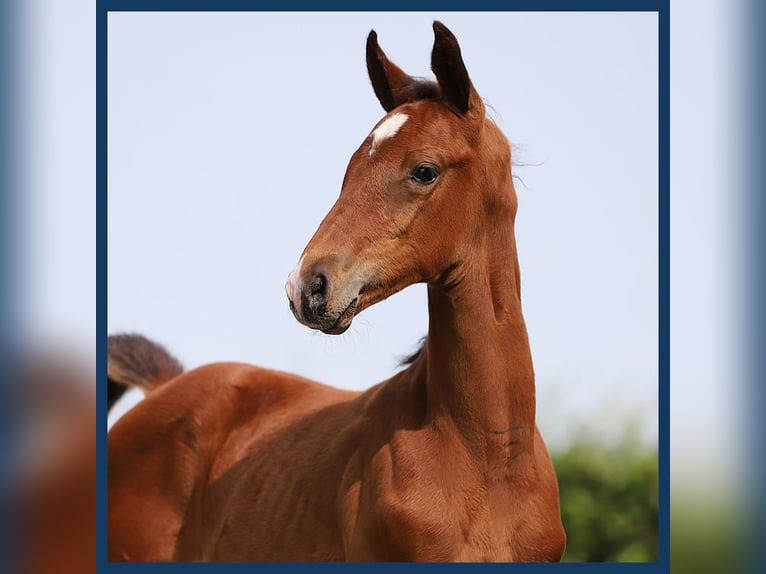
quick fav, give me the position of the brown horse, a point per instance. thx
(441, 462)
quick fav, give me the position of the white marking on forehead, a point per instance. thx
(387, 130)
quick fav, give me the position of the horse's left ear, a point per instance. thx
(447, 63)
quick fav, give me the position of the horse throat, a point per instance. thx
(479, 364)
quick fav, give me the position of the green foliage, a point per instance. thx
(609, 501)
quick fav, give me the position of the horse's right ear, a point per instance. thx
(388, 79)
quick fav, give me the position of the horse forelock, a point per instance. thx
(418, 89)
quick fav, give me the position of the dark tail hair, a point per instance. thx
(135, 361)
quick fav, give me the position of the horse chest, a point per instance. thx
(411, 510)
(435, 514)
(427, 526)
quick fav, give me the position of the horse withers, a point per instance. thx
(441, 462)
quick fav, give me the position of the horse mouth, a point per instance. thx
(343, 322)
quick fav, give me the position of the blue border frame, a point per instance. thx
(659, 6)
(663, 532)
(101, 283)
(103, 7)
(9, 287)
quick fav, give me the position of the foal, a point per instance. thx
(441, 462)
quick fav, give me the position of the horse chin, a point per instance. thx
(338, 330)
(343, 322)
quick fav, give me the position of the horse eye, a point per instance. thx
(425, 173)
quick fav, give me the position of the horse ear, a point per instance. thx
(447, 63)
(388, 79)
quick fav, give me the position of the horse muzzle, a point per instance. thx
(315, 303)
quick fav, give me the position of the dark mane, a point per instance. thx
(418, 89)
(409, 359)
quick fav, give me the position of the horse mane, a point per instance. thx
(409, 359)
(418, 89)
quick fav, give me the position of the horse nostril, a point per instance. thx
(317, 292)
(318, 287)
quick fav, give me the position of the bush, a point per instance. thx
(609, 501)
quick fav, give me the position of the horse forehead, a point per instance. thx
(387, 129)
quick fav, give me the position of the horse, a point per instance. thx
(441, 462)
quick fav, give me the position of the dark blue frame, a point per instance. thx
(9, 287)
(661, 7)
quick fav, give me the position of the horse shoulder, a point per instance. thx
(395, 505)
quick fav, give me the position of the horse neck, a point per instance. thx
(479, 365)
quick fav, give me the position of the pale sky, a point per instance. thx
(229, 134)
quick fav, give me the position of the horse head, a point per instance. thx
(429, 180)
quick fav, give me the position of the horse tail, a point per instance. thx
(135, 361)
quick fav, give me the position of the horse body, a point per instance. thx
(239, 463)
(442, 462)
